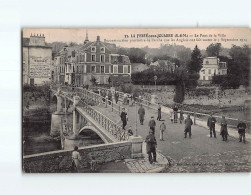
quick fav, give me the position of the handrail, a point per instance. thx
(105, 122)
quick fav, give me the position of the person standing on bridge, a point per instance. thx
(151, 144)
(76, 160)
(141, 113)
(211, 124)
(159, 112)
(116, 97)
(123, 117)
(152, 124)
(188, 125)
(223, 130)
(162, 129)
(242, 130)
(110, 97)
(175, 111)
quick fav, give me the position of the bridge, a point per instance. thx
(92, 111)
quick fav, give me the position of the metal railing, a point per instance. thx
(110, 126)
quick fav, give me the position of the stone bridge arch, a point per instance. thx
(94, 130)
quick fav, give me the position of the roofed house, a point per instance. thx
(212, 66)
(165, 65)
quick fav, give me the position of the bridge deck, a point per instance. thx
(186, 152)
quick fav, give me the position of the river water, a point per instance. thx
(37, 139)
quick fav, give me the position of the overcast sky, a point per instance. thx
(78, 35)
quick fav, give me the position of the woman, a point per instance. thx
(181, 116)
(175, 111)
(76, 160)
(223, 130)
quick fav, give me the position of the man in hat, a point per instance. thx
(242, 130)
(123, 117)
(188, 125)
(151, 144)
(211, 124)
(152, 124)
(162, 129)
(141, 113)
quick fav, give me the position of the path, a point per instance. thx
(199, 154)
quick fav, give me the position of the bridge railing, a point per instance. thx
(114, 129)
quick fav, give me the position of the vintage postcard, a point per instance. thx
(147, 100)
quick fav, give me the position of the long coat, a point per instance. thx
(141, 113)
(150, 143)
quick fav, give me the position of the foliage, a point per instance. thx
(195, 63)
(146, 77)
(214, 49)
(179, 93)
(226, 81)
(119, 80)
(239, 66)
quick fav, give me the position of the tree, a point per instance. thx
(137, 55)
(214, 49)
(240, 63)
(195, 63)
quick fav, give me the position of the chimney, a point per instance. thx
(98, 38)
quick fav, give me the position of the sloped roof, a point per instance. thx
(210, 61)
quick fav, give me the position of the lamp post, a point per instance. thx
(136, 129)
(155, 79)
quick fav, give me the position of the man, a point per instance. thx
(223, 130)
(129, 131)
(175, 111)
(123, 117)
(159, 112)
(188, 125)
(76, 160)
(151, 144)
(162, 129)
(152, 124)
(141, 113)
(242, 130)
(110, 97)
(211, 124)
(116, 97)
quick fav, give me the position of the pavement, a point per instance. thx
(198, 154)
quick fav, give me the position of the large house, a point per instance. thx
(212, 66)
(36, 60)
(77, 65)
(165, 64)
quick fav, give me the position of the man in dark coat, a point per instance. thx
(123, 117)
(141, 113)
(151, 144)
(175, 111)
(110, 97)
(159, 112)
(211, 124)
(152, 124)
(116, 97)
(242, 130)
(188, 125)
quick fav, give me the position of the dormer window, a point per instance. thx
(93, 49)
(102, 50)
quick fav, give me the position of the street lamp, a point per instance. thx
(155, 79)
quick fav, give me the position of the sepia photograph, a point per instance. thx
(136, 100)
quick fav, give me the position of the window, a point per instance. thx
(209, 71)
(93, 69)
(102, 58)
(125, 69)
(102, 69)
(93, 49)
(129, 69)
(93, 57)
(102, 50)
(115, 69)
(204, 78)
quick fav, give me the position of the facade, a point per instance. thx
(36, 60)
(78, 65)
(212, 66)
(165, 64)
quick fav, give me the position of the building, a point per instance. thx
(78, 65)
(212, 66)
(165, 65)
(36, 60)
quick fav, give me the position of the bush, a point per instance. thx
(226, 81)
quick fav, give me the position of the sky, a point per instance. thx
(119, 36)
